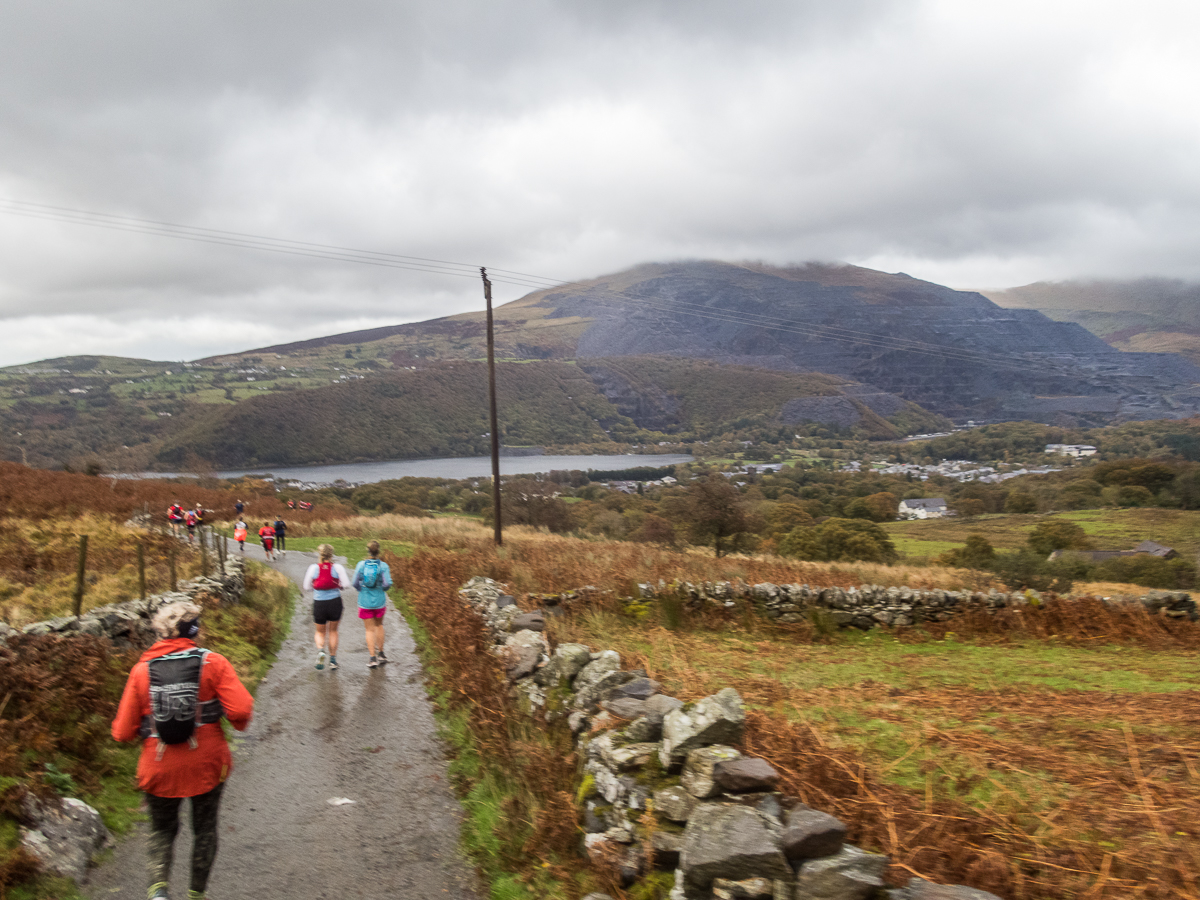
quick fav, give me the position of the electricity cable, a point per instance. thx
(334, 253)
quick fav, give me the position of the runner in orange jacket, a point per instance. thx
(167, 773)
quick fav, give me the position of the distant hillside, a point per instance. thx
(690, 350)
(441, 410)
(1155, 315)
(953, 352)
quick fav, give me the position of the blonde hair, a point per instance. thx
(325, 551)
(373, 548)
(166, 620)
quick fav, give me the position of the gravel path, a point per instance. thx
(359, 734)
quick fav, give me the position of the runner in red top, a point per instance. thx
(175, 516)
(267, 535)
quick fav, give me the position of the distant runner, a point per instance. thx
(239, 534)
(199, 513)
(175, 516)
(326, 580)
(266, 534)
(239, 508)
(281, 536)
(373, 579)
(189, 519)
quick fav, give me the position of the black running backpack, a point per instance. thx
(175, 707)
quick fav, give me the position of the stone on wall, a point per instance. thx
(522, 652)
(920, 889)
(730, 842)
(850, 875)
(810, 834)
(746, 889)
(674, 803)
(718, 719)
(566, 662)
(667, 848)
(530, 621)
(637, 689)
(625, 707)
(643, 730)
(661, 704)
(697, 777)
(588, 697)
(745, 775)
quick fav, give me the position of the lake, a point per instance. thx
(457, 467)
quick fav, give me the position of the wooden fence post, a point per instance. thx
(142, 569)
(171, 562)
(203, 553)
(80, 574)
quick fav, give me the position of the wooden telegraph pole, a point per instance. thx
(491, 348)
(81, 574)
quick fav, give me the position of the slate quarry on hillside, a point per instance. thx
(954, 352)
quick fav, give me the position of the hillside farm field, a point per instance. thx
(1034, 769)
(1109, 529)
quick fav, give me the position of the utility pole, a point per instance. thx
(491, 348)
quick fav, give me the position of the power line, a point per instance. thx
(334, 253)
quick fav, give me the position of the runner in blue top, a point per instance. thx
(372, 578)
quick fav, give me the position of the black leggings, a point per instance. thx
(164, 825)
(280, 541)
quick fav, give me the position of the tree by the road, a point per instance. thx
(713, 511)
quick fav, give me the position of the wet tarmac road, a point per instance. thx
(359, 734)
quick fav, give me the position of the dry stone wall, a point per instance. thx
(665, 786)
(867, 606)
(127, 624)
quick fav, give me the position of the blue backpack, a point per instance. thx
(372, 574)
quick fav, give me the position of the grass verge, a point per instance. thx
(515, 779)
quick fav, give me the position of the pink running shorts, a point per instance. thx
(371, 613)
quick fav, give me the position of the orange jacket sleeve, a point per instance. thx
(235, 699)
(135, 703)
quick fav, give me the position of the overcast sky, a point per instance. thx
(972, 144)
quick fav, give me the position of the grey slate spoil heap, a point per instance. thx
(721, 823)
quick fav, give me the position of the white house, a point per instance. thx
(923, 508)
(1076, 450)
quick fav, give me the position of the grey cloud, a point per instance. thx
(979, 143)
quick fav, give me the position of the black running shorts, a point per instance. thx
(327, 610)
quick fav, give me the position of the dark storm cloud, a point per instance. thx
(980, 145)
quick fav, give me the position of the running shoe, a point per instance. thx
(382, 657)
(320, 659)
(195, 895)
(158, 891)
(333, 663)
(372, 662)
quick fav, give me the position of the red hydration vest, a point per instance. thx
(325, 580)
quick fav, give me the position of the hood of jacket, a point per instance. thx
(170, 645)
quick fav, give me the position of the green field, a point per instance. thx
(1035, 738)
(1110, 529)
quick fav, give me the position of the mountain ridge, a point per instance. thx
(696, 348)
